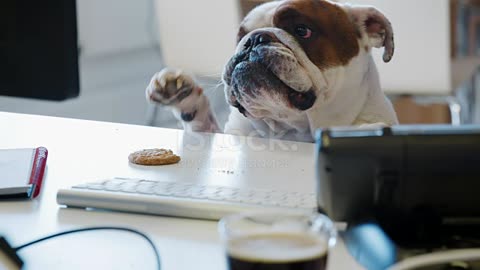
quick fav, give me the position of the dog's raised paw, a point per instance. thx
(170, 87)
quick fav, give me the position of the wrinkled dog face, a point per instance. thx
(283, 49)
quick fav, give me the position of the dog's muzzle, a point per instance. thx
(249, 76)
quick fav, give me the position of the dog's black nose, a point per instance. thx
(260, 38)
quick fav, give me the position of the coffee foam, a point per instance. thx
(277, 248)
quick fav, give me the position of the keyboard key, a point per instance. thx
(115, 182)
(211, 192)
(244, 193)
(256, 200)
(81, 186)
(180, 191)
(95, 186)
(145, 188)
(163, 185)
(235, 199)
(129, 187)
(277, 196)
(294, 203)
(226, 193)
(109, 187)
(163, 190)
(198, 193)
(271, 202)
(258, 197)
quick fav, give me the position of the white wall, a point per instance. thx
(109, 26)
(421, 64)
(198, 36)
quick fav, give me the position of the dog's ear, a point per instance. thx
(378, 28)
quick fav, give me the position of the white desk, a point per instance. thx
(81, 150)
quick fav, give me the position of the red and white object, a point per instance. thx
(21, 172)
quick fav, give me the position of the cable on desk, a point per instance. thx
(157, 254)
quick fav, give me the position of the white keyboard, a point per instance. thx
(181, 199)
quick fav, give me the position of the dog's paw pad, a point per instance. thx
(171, 86)
(188, 117)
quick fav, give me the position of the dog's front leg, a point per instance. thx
(182, 95)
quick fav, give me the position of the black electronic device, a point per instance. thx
(420, 183)
(38, 49)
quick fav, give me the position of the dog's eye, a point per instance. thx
(303, 31)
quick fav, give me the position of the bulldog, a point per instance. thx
(299, 65)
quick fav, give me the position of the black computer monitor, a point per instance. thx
(417, 181)
(38, 49)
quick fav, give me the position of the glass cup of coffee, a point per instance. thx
(277, 241)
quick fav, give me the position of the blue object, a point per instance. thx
(370, 246)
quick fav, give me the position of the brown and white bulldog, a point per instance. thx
(299, 65)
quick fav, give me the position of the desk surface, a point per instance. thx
(82, 150)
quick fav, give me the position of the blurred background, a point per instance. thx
(433, 78)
